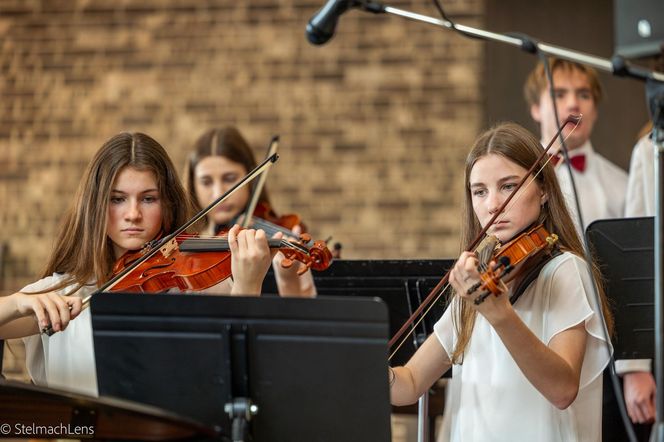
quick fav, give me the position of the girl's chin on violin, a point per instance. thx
(503, 230)
(132, 239)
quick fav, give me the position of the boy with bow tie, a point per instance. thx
(601, 185)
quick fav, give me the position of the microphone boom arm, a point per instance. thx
(616, 66)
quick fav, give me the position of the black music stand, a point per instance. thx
(284, 369)
(401, 284)
(624, 250)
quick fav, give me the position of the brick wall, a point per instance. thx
(374, 125)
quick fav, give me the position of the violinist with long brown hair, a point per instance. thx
(528, 361)
(218, 160)
(129, 195)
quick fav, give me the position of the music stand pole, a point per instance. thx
(423, 426)
(658, 142)
(423, 418)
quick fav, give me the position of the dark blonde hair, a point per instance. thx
(518, 145)
(537, 81)
(82, 248)
(226, 142)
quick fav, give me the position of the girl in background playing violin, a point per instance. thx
(218, 160)
(129, 195)
(532, 370)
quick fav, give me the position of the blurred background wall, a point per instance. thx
(374, 125)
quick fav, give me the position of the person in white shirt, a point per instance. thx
(640, 395)
(129, 195)
(641, 183)
(601, 185)
(528, 369)
(641, 202)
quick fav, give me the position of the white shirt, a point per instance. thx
(601, 187)
(492, 400)
(65, 360)
(640, 202)
(641, 183)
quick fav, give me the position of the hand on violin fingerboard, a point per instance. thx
(465, 277)
(289, 282)
(250, 260)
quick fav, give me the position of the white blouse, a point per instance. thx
(641, 184)
(492, 400)
(601, 188)
(65, 360)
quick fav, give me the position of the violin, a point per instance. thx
(191, 263)
(164, 253)
(526, 246)
(265, 214)
(265, 218)
(440, 288)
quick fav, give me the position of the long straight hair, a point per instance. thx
(226, 142)
(518, 145)
(82, 248)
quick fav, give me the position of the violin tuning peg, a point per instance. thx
(304, 268)
(287, 263)
(305, 237)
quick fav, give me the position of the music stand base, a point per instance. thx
(240, 412)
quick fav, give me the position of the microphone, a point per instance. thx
(321, 26)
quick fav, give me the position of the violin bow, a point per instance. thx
(437, 291)
(154, 248)
(258, 188)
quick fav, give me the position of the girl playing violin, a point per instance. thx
(129, 195)
(532, 370)
(218, 160)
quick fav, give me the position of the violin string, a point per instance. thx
(421, 318)
(223, 241)
(273, 228)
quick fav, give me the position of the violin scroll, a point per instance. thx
(318, 256)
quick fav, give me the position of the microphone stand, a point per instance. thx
(657, 112)
(618, 67)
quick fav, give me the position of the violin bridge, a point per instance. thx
(169, 248)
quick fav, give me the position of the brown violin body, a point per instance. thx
(188, 263)
(525, 247)
(265, 212)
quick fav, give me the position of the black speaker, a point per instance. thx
(639, 27)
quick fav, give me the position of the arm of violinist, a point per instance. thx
(250, 260)
(426, 366)
(554, 370)
(640, 391)
(289, 283)
(24, 314)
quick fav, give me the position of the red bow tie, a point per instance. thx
(578, 161)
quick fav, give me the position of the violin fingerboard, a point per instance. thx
(485, 249)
